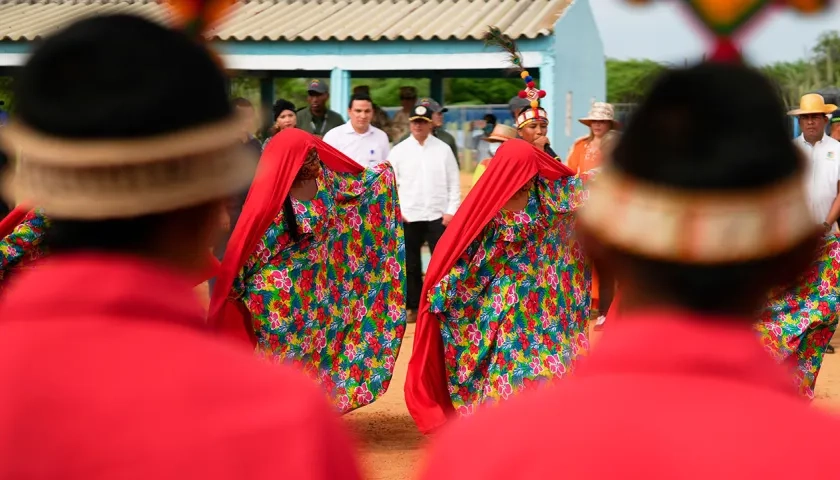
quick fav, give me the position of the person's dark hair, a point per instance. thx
(112, 77)
(242, 102)
(119, 235)
(712, 127)
(491, 119)
(360, 97)
(290, 219)
(280, 106)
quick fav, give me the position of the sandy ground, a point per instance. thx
(392, 447)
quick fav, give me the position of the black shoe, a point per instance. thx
(411, 316)
(829, 349)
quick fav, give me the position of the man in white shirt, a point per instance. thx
(429, 189)
(358, 139)
(822, 155)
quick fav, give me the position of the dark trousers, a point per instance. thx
(606, 291)
(416, 234)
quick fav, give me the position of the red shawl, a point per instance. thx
(12, 220)
(516, 162)
(279, 165)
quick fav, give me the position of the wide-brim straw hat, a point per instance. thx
(501, 133)
(813, 103)
(600, 111)
(77, 179)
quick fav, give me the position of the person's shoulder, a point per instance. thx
(399, 148)
(333, 132)
(379, 133)
(443, 134)
(831, 142)
(580, 140)
(335, 116)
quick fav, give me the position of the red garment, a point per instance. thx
(278, 167)
(516, 162)
(664, 395)
(108, 372)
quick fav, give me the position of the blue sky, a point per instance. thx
(662, 32)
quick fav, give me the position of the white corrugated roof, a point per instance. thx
(310, 19)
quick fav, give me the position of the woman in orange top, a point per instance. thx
(585, 155)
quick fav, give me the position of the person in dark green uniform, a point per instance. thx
(439, 131)
(318, 119)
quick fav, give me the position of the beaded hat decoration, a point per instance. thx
(724, 20)
(495, 37)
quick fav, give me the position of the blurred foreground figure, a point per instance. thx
(106, 366)
(713, 215)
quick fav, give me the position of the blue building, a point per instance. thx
(341, 39)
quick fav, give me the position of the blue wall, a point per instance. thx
(578, 68)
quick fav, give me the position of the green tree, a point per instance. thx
(6, 95)
(629, 80)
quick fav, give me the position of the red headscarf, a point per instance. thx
(279, 165)
(515, 163)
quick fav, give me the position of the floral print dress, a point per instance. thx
(333, 302)
(23, 246)
(514, 309)
(797, 323)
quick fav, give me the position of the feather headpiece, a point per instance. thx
(496, 38)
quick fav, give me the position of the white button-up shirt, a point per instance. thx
(822, 174)
(428, 180)
(367, 149)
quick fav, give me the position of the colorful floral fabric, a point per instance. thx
(333, 302)
(22, 246)
(797, 323)
(514, 309)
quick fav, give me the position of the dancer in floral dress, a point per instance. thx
(506, 302)
(21, 241)
(797, 323)
(318, 282)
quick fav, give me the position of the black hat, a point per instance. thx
(421, 112)
(281, 106)
(433, 105)
(97, 147)
(317, 86)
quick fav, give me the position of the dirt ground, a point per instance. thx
(392, 448)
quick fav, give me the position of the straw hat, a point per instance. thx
(813, 103)
(501, 133)
(600, 111)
